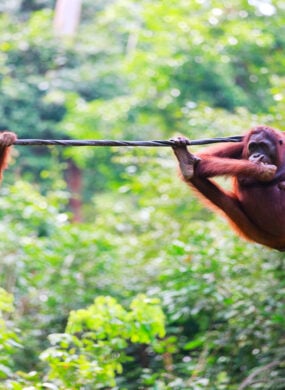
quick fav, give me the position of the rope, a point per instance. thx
(122, 143)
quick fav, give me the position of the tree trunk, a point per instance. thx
(67, 17)
(74, 183)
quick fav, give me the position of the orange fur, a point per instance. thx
(256, 205)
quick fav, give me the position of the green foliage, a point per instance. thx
(9, 341)
(91, 351)
(223, 311)
(138, 70)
